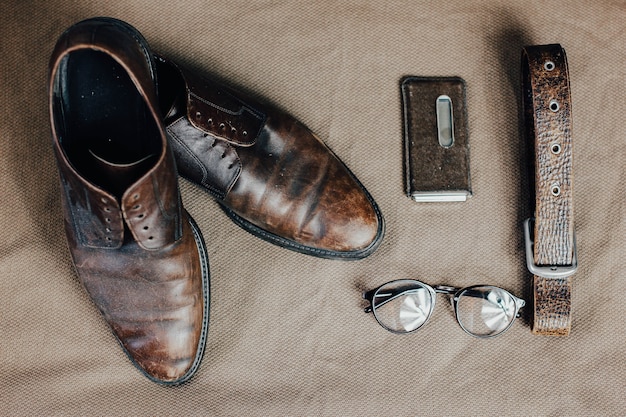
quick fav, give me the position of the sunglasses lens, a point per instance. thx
(403, 306)
(485, 311)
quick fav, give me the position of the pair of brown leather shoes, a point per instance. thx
(122, 121)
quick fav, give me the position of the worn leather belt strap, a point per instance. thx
(551, 250)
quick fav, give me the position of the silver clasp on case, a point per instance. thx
(445, 121)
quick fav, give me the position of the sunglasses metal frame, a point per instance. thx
(454, 293)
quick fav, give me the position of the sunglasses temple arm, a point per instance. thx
(520, 303)
(368, 295)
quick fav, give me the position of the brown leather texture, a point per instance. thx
(271, 173)
(430, 167)
(552, 303)
(133, 246)
(287, 334)
(548, 119)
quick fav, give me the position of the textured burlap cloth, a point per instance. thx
(288, 335)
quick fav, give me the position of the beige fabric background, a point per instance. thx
(287, 332)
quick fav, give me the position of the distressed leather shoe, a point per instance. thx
(137, 252)
(270, 173)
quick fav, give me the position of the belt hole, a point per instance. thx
(556, 190)
(549, 65)
(555, 148)
(554, 106)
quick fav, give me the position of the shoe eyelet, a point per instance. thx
(145, 228)
(140, 216)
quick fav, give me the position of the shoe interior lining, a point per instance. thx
(100, 112)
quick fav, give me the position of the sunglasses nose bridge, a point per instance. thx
(445, 289)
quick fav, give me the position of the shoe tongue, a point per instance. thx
(116, 177)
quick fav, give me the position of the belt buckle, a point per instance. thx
(548, 271)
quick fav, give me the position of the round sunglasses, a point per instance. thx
(405, 305)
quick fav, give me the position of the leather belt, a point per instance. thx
(551, 245)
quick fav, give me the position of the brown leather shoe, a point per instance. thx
(271, 174)
(138, 253)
